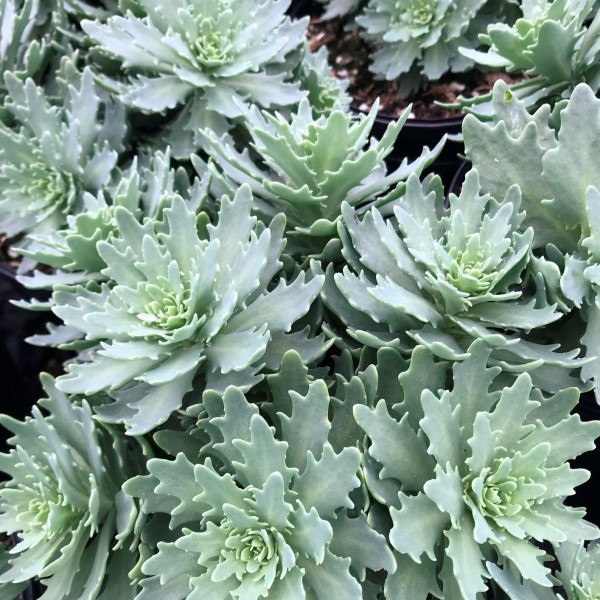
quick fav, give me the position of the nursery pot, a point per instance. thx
(20, 362)
(586, 495)
(415, 134)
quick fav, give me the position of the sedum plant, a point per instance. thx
(462, 487)
(419, 40)
(443, 278)
(268, 511)
(560, 192)
(311, 166)
(58, 153)
(24, 46)
(551, 43)
(143, 191)
(200, 57)
(183, 300)
(63, 499)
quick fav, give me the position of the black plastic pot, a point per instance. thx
(302, 8)
(418, 133)
(20, 362)
(586, 495)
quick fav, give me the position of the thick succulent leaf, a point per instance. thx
(366, 548)
(270, 504)
(511, 137)
(567, 168)
(442, 426)
(396, 446)
(514, 588)
(470, 378)
(345, 431)
(234, 424)
(307, 429)
(175, 478)
(411, 580)
(421, 368)
(262, 455)
(326, 483)
(279, 308)
(418, 526)
(446, 491)
(330, 578)
(466, 559)
(310, 534)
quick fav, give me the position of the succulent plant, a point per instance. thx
(200, 57)
(551, 43)
(463, 488)
(183, 301)
(325, 93)
(560, 184)
(63, 499)
(270, 513)
(58, 154)
(419, 40)
(312, 167)
(143, 191)
(25, 45)
(443, 278)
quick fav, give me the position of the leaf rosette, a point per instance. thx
(183, 301)
(58, 154)
(419, 40)
(63, 500)
(550, 43)
(25, 49)
(271, 514)
(559, 183)
(462, 488)
(144, 190)
(443, 278)
(313, 165)
(204, 57)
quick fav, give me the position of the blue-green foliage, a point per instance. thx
(294, 374)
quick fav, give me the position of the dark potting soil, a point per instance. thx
(8, 256)
(349, 59)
